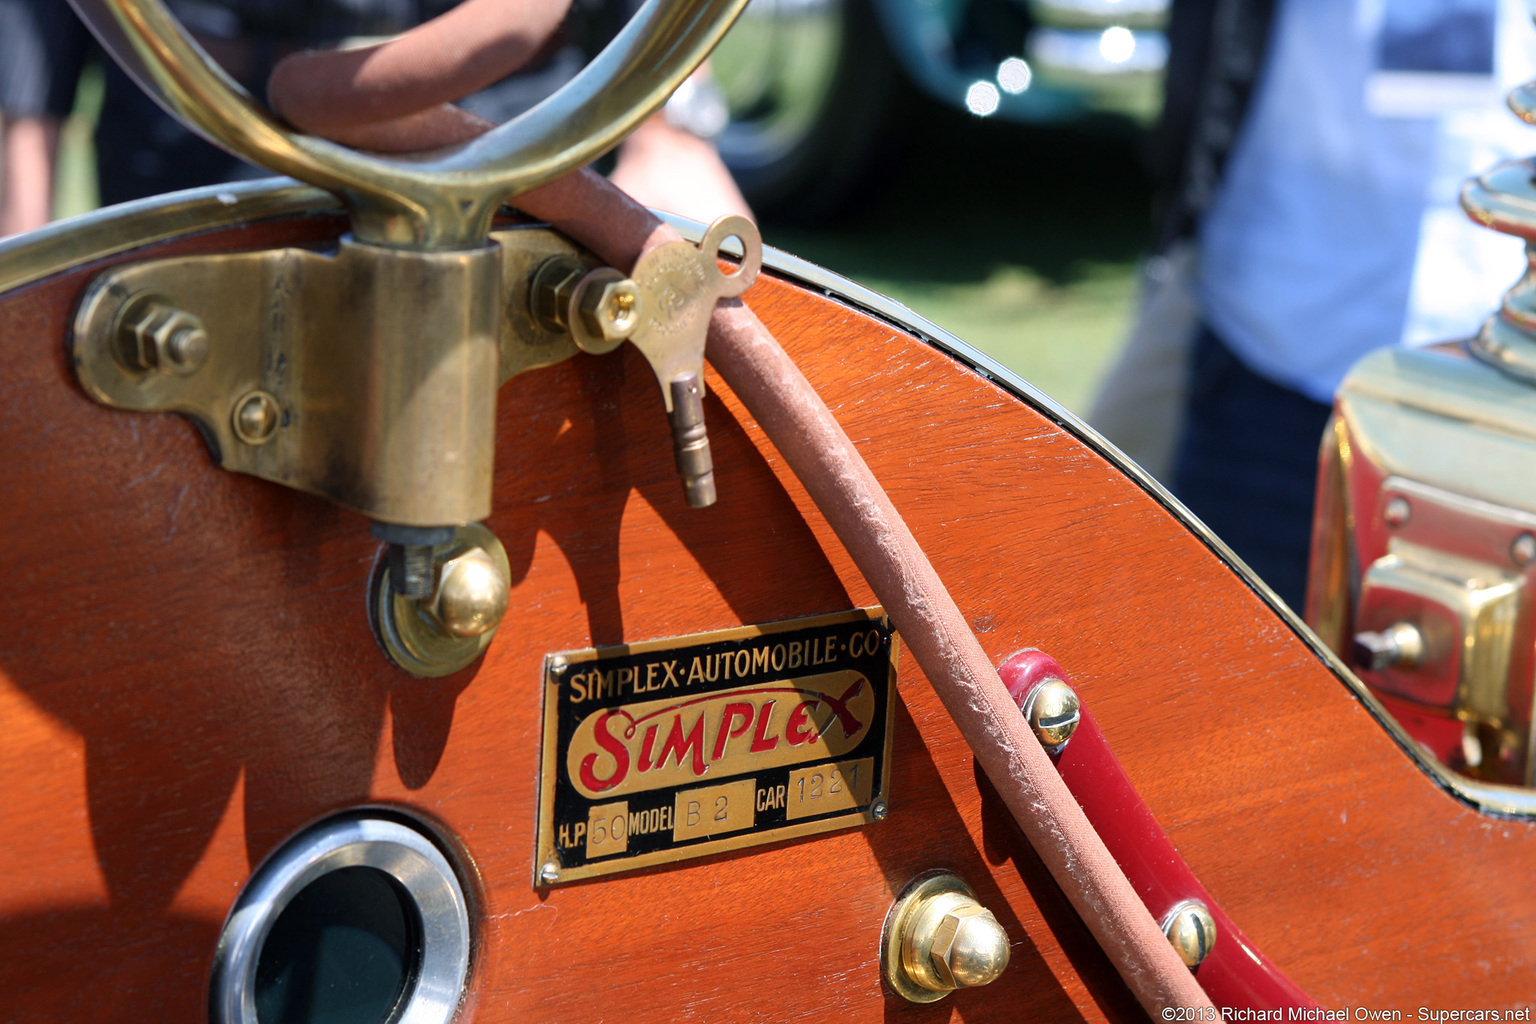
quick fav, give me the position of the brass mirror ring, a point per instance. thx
(441, 200)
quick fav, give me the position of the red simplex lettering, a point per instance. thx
(741, 711)
(615, 748)
(800, 729)
(678, 744)
(761, 741)
(646, 748)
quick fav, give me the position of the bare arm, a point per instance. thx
(28, 152)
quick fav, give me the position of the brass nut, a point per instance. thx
(969, 947)
(472, 595)
(1192, 930)
(938, 938)
(256, 417)
(609, 308)
(606, 308)
(155, 335)
(1053, 712)
(549, 296)
(445, 631)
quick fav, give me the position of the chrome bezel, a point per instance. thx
(405, 854)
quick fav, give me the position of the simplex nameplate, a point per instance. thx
(660, 751)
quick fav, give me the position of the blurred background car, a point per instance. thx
(816, 88)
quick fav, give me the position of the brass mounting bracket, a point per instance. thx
(357, 374)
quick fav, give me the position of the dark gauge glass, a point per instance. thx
(345, 950)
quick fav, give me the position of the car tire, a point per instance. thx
(811, 87)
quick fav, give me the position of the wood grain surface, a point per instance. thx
(187, 677)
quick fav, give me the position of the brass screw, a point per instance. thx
(472, 595)
(1052, 711)
(879, 811)
(256, 417)
(610, 308)
(1192, 930)
(155, 335)
(549, 874)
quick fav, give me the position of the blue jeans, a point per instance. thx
(1247, 464)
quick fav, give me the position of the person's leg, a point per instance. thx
(1247, 464)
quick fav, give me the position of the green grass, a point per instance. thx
(1060, 336)
(1022, 241)
(74, 189)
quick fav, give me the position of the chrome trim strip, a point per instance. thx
(1502, 801)
(408, 857)
(38, 254)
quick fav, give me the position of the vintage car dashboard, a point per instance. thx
(406, 626)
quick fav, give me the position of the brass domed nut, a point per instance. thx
(1192, 930)
(153, 334)
(608, 307)
(1052, 711)
(446, 630)
(471, 596)
(938, 938)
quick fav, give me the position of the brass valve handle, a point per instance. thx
(441, 200)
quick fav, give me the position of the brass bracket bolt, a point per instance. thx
(600, 308)
(154, 335)
(608, 309)
(1400, 645)
(438, 595)
(471, 595)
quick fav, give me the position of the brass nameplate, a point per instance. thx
(661, 751)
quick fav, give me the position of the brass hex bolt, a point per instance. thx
(1400, 645)
(153, 334)
(601, 308)
(554, 284)
(969, 947)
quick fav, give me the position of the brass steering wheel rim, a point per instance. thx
(439, 200)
